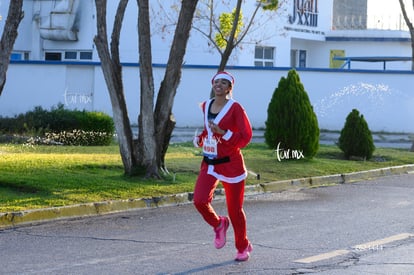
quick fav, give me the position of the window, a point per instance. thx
(71, 55)
(55, 56)
(298, 58)
(86, 55)
(78, 55)
(263, 56)
(302, 59)
(19, 56)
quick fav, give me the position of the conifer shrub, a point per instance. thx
(291, 122)
(355, 139)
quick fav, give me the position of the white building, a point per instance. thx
(300, 34)
(55, 55)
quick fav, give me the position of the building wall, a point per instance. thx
(384, 98)
(81, 85)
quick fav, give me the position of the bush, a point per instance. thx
(355, 139)
(75, 137)
(291, 121)
(61, 126)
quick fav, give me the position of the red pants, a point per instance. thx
(203, 196)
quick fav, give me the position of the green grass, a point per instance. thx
(47, 176)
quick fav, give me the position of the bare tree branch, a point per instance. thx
(411, 29)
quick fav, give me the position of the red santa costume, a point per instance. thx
(223, 161)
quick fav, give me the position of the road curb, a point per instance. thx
(19, 218)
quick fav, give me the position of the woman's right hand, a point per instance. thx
(196, 140)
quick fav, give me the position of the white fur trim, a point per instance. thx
(224, 76)
(220, 177)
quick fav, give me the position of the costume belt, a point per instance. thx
(216, 161)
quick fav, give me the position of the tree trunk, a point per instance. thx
(412, 49)
(14, 17)
(164, 121)
(230, 45)
(155, 127)
(112, 71)
(147, 146)
(411, 29)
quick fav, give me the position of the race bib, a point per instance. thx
(210, 148)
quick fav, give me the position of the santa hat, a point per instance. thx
(223, 75)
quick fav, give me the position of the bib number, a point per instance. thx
(210, 148)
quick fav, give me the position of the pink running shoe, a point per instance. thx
(221, 230)
(244, 256)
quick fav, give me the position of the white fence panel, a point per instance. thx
(385, 98)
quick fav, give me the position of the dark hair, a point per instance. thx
(228, 81)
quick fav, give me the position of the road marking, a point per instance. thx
(324, 256)
(379, 243)
(365, 246)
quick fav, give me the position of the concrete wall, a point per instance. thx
(385, 99)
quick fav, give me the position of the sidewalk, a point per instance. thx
(12, 219)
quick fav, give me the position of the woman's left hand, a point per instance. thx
(216, 129)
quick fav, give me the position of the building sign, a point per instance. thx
(305, 13)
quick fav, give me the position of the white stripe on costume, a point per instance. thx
(220, 115)
(209, 133)
(220, 177)
(224, 111)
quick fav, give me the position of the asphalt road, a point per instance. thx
(361, 228)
